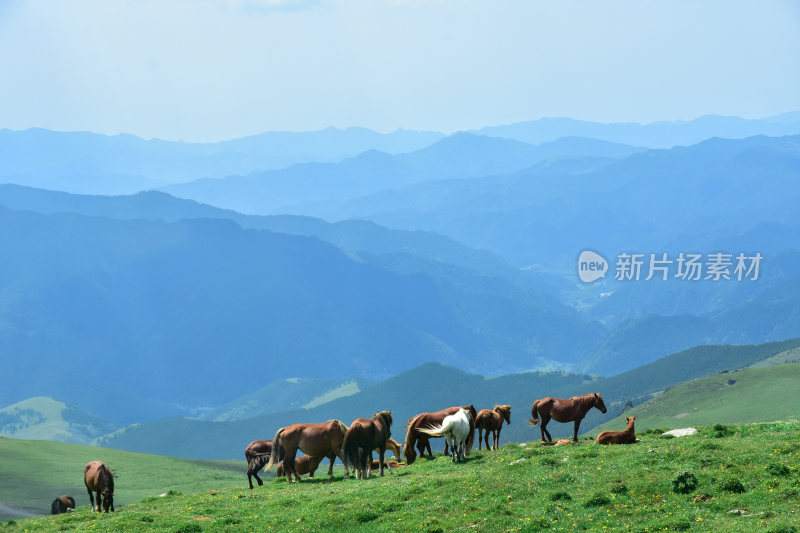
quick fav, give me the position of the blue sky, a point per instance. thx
(203, 70)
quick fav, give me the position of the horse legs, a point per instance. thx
(577, 425)
(344, 462)
(497, 438)
(288, 463)
(91, 497)
(480, 432)
(543, 427)
(99, 499)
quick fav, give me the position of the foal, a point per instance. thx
(492, 420)
(619, 437)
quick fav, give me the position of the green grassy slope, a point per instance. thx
(286, 394)
(45, 418)
(755, 395)
(584, 487)
(33, 473)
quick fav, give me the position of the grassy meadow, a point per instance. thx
(728, 478)
(34, 472)
(748, 395)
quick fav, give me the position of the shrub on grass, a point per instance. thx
(684, 483)
(777, 469)
(719, 431)
(733, 485)
(561, 495)
(598, 500)
(618, 487)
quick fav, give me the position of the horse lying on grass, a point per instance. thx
(62, 504)
(302, 466)
(619, 437)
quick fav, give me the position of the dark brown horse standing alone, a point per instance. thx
(257, 454)
(492, 421)
(561, 410)
(362, 437)
(99, 478)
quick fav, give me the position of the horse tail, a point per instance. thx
(276, 446)
(535, 414)
(436, 431)
(471, 434)
(350, 446)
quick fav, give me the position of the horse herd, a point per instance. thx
(354, 445)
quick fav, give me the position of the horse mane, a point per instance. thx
(385, 417)
(586, 398)
(106, 478)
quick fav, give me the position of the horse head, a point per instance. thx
(598, 402)
(409, 453)
(386, 418)
(108, 500)
(505, 412)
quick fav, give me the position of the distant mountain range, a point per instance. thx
(86, 162)
(319, 189)
(665, 134)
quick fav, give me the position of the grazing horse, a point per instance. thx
(455, 429)
(99, 478)
(492, 420)
(257, 454)
(421, 440)
(62, 504)
(362, 437)
(303, 465)
(560, 410)
(396, 448)
(317, 440)
(619, 437)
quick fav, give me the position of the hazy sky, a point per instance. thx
(204, 70)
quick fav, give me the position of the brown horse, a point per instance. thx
(62, 504)
(393, 464)
(257, 454)
(303, 465)
(492, 420)
(362, 437)
(99, 478)
(619, 437)
(560, 410)
(396, 448)
(317, 440)
(425, 420)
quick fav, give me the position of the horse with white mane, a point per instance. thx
(455, 429)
